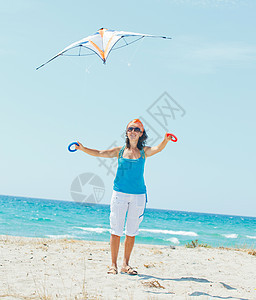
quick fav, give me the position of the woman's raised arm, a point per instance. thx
(149, 151)
(110, 153)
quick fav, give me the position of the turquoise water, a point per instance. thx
(31, 217)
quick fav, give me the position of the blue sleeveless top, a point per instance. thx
(130, 174)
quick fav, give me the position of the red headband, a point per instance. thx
(138, 123)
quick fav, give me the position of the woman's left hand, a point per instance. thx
(167, 137)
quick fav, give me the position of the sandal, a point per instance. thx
(112, 270)
(129, 270)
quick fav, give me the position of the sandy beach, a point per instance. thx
(35, 268)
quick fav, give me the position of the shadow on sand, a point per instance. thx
(192, 279)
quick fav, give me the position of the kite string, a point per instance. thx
(128, 61)
(86, 69)
(136, 50)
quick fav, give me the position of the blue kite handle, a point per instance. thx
(69, 147)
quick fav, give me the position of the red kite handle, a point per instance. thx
(173, 137)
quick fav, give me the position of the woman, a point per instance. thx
(129, 191)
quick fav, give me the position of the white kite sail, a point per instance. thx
(101, 43)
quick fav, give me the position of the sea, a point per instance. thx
(33, 217)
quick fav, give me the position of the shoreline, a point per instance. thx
(46, 268)
(195, 240)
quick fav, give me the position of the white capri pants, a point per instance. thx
(133, 205)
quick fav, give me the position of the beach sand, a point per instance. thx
(35, 268)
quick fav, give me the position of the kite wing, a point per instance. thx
(102, 42)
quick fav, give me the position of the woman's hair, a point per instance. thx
(141, 142)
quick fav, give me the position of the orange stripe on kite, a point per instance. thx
(101, 32)
(100, 51)
(109, 41)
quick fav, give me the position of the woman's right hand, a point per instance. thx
(80, 147)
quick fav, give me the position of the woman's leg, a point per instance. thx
(134, 217)
(114, 246)
(128, 246)
(118, 207)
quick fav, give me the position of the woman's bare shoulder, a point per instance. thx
(145, 148)
(118, 150)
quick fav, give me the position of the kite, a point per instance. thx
(101, 43)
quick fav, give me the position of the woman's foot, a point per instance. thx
(129, 270)
(112, 270)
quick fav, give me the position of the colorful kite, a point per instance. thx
(101, 43)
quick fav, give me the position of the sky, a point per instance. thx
(206, 73)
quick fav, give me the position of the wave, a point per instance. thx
(251, 237)
(173, 240)
(60, 236)
(97, 229)
(230, 236)
(188, 233)
(40, 219)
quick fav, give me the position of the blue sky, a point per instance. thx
(208, 68)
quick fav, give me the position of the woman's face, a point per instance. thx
(133, 133)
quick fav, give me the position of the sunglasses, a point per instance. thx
(136, 129)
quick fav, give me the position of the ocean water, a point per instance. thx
(31, 217)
